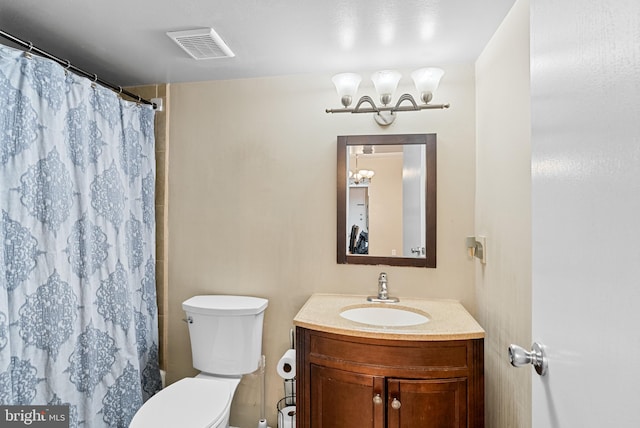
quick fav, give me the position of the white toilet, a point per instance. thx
(226, 342)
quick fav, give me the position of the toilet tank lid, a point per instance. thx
(225, 305)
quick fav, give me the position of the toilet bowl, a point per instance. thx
(226, 343)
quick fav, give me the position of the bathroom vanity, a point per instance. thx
(358, 374)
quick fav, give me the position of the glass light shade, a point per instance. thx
(366, 173)
(427, 81)
(386, 82)
(346, 85)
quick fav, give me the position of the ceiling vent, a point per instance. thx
(203, 43)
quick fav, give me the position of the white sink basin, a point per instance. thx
(385, 316)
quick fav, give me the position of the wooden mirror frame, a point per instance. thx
(429, 140)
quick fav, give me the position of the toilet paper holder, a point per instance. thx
(286, 406)
(290, 392)
(286, 414)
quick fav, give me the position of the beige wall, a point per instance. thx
(503, 215)
(252, 205)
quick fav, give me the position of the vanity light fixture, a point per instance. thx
(386, 82)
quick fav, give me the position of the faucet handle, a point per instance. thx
(383, 293)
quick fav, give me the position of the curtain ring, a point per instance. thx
(66, 69)
(95, 78)
(27, 54)
(120, 90)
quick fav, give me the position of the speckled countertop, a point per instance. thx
(448, 319)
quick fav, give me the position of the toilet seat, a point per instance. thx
(188, 403)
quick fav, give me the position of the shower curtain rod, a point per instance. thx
(67, 65)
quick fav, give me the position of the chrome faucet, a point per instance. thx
(383, 293)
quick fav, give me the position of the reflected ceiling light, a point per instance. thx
(386, 82)
(361, 176)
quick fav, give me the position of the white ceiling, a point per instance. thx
(124, 41)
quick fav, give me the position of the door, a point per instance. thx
(586, 212)
(343, 399)
(413, 201)
(436, 403)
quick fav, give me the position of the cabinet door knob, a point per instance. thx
(396, 404)
(377, 399)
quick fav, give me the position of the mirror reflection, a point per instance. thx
(386, 199)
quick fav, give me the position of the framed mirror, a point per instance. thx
(386, 206)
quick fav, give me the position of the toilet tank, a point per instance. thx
(225, 333)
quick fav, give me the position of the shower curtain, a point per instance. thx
(78, 312)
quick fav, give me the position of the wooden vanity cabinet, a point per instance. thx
(354, 382)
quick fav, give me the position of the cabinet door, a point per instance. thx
(342, 399)
(438, 403)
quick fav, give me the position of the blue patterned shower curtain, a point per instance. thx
(78, 312)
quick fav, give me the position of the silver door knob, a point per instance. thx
(377, 399)
(519, 357)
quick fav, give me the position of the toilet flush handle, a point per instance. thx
(188, 320)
